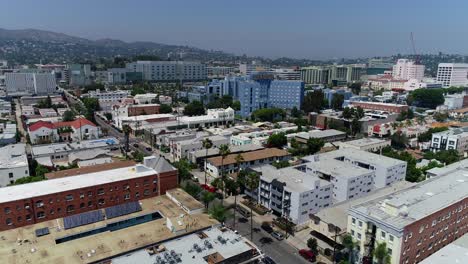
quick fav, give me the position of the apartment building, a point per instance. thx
(146, 98)
(292, 193)
(366, 144)
(78, 74)
(220, 71)
(30, 83)
(169, 70)
(406, 69)
(109, 98)
(392, 108)
(46, 200)
(215, 165)
(328, 135)
(452, 74)
(13, 163)
(253, 67)
(258, 137)
(7, 134)
(181, 149)
(314, 75)
(456, 139)
(122, 112)
(414, 223)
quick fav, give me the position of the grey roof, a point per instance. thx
(49, 149)
(402, 208)
(456, 252)
(449, 168)
(321, 133)
(12, 156)
(365, 142)
(87, 154)
(158, 163)
(234, 149)
(338, 213)
(337, 168)
(358, 155)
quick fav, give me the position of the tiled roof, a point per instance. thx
(250, 156)
(40, 124)
(75, 124)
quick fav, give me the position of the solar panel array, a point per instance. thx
(122, 209)
(82, 219)
(42, 231)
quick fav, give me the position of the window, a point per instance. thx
(28, 217)
(19, 219)
(90, 194)
(7, 210)
(383, 234)
(137, 194)
(70, 208)
(90, 203)
(146, 192)
(390, 238)
(40, 215)
(69, 197)
(100, 191)
(81, 195)
(82, 205)
(101, 202)
(359, 236)
(352, 233)
(51, 211)
(360, 224)
(126, 196)
(389, 251)
(8, 221)
(39, 204)
(10, 175)
(353, 221)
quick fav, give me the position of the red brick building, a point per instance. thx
(31, 203)
(393, 108)
(143, 109)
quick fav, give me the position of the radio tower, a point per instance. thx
(416, 59)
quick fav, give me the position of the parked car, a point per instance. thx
(244, 212)
(308, 255)
(208, 188)
(268, 260)
(149, 149)
(136, 145)
(267, 227)
(277, 235)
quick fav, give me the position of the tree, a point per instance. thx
(296, 113)
(137, 90)
(347, 113)
(165, 109)
(427, 98)
(207, 198)
(355, 126)
(313, 102)
(252, 182)
(91, 106)
(312, 245)
(404, 115)
(207, 144)
(218, 212)
(236, 105)
(399, 140)
(444, 156)
(381, 254)
(138, 156)
(355, 87)
(427, 136)
(183, 168)
(359, 113)
(68, 116)
(440, 117)
(269, 114)
(193, 189)
(349, 244)
(337, 102)
(277, 140)
(224, 151)
(194, 108)
(314, 145)
(108, 116)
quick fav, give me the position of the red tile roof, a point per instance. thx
(39, 124)
(75, 124)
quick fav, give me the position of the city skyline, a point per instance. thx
(325, 30)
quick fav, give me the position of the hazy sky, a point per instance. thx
(315, 29)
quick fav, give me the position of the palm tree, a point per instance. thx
(218, 212)
(349, 244)
(239, 159)
(207, 144)
(381, 254)
(207, 198)
(223, 151)
(252, 182)
(126, 129)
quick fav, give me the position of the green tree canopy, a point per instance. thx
(427, 136)
(194, 108)
(269, 114)
(165, 109)
(68, 116)
(314, 145)
(429, 98)
(337, 101)
(277, 140)
(313, 102)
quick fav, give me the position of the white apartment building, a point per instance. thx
(146, 98)
(367, 144)
(181, 149)
(406, 69)
(109, 96)
(220, 71)
(456, 139)
(292, 193)
(169, 70)
(213, 117)
(452, 74)
(30, 83)
(164, 99)
(258, 137)
(13, 163)
(414, 84)
(117, 75)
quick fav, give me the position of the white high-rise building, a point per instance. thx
(452, 74)
(169, 70)
(30, 83)
(406, 69)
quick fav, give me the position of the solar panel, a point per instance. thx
(122, 209)
(42, 231)
(82, 219)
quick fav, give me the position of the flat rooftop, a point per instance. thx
(321, 133)
(337, 214)
(36, 189)
(13, 156)
(337, 169)
(48, 149)
(21, 245)
(405, 207)
(455, 252)
(234, 149)
(250, 156)
(185, 199)
(218, 242)
(363, 142)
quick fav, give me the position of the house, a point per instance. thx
(47, 132)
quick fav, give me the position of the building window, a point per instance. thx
(70, 208)
(126, 196)
(51, 211)
(39, 204)
(352, 233)
(69, 197)
(360, 224)
(90, 203)
(390, 239)
(146, 192)
(90, 194)
(19, 219)
(40, 215)
(82, 205)
(100, 191)
(383, 234)
(358, 236)
(7, 210)
(101, 202)
(10, 175)
(28, 217)
(8, 221)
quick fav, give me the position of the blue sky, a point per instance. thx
(315, 29)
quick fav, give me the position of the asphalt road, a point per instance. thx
(280, 251)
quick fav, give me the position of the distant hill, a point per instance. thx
(30, 46)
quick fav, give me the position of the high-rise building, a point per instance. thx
(314, 75)
(30, 83)
(220, 71)
(78, 74)
(406, 69)
(254, 66)
(452, 74)
(169, 70)
(333, 74)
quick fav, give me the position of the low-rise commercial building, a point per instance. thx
(392, 108)
(46, 200)
(258, 137)
(414, 223)
(7, 134)
(329, 135)
(147, 98)
(13, 163)
(229, 165)
(452, 139)
(180, 149)
(366, 144)
(199, 156)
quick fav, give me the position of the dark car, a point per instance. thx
(136, 145)
(244, 212)
(268, 260)
(267, 228)
(308, 255)
(149, 149)
(277, 235)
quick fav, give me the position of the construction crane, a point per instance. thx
(416, 59)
